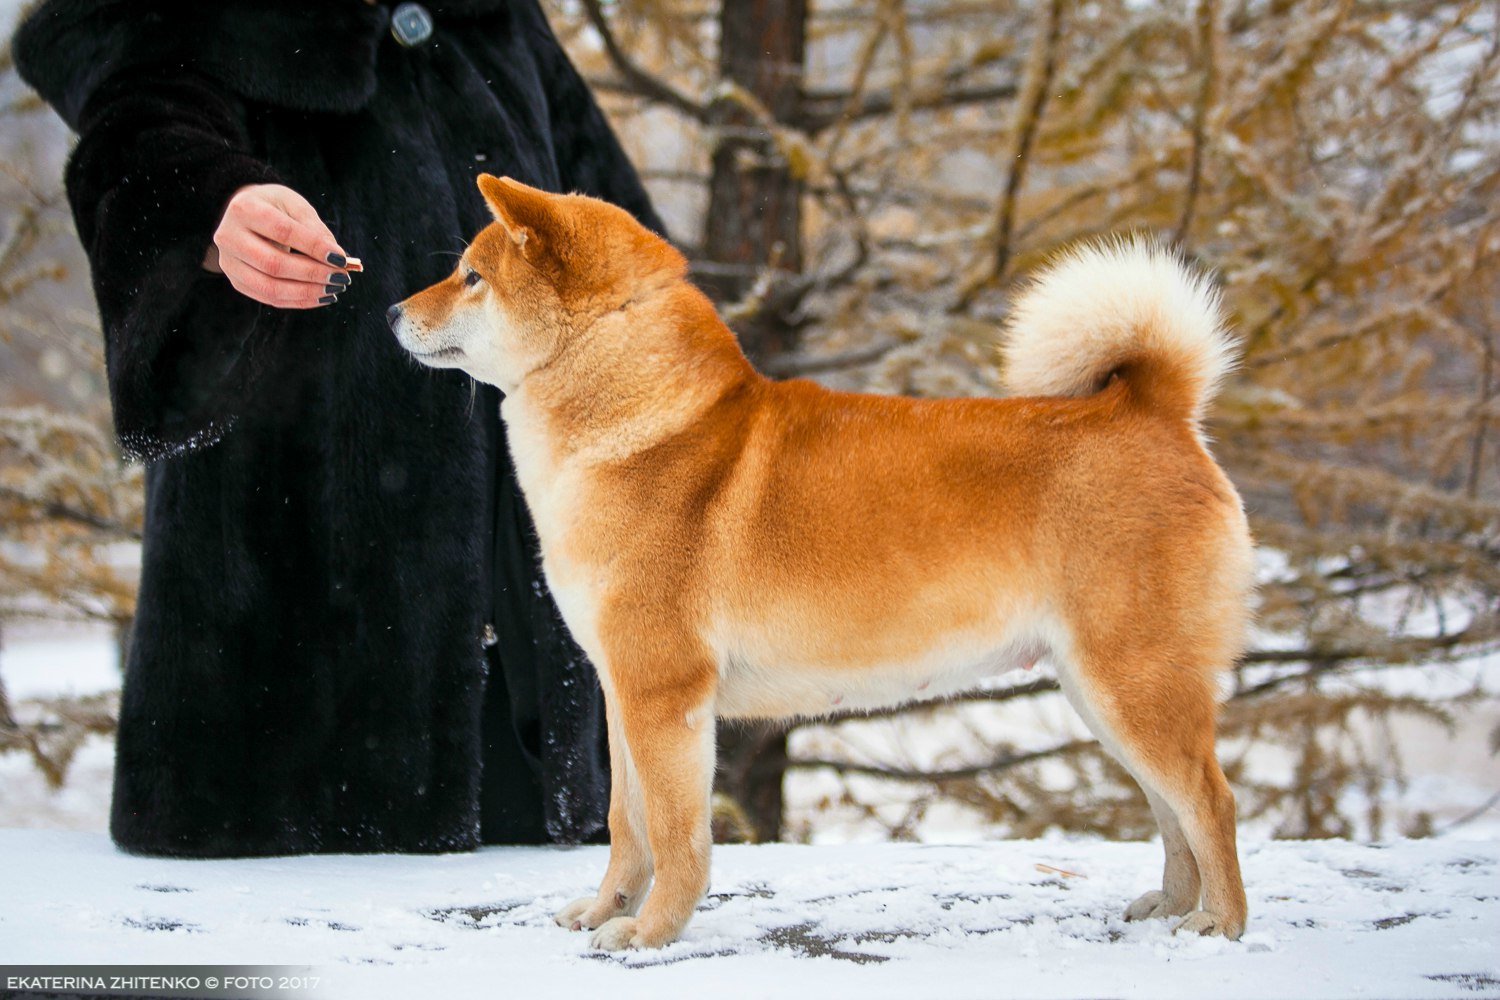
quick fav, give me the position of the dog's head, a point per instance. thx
(531, 283)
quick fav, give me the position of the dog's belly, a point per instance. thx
(754, 685)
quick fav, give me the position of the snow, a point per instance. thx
(1328, 919)
(26, 800)
(41, 661)
(50, 663)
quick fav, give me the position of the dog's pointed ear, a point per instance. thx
(524, 212)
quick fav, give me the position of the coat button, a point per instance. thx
(411, 24)
(488, 637)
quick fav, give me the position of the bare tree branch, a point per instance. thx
(1033, 104)
(938, 776)
(1208, 31)
(636, 79)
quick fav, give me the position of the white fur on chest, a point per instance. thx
(553, 491)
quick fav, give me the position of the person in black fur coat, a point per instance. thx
(343, 640)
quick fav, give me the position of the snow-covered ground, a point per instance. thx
(1328, 919)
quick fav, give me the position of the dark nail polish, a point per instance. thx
(333, 290)
(337, 259)
(338, 278)
(328, 300)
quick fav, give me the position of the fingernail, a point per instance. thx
(328, 300)
(338, 278)
(333, 290)
(337, 259)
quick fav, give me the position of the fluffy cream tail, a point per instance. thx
(1123, 307)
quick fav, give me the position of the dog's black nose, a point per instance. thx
(392, 314)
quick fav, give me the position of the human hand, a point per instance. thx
(261, 226)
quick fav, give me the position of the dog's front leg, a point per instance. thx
(669, 735)
(629, 870)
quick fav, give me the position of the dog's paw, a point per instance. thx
(1205, 922)
(1156, 905)
(571, 916)
(615, 935)
(590, 912)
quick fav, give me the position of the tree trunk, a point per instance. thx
(755, 221)
(754, 200)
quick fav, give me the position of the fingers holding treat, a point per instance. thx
(274, 248)
(274, 277)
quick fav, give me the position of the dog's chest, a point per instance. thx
(556, 493)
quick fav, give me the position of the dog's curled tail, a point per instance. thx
(1125, 307)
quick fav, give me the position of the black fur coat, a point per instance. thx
(329, 527)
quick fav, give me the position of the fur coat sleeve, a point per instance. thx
(158, 157)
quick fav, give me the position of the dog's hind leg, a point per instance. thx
(1157, 718)
(1180, 882)
(629, 871)
(669, 731)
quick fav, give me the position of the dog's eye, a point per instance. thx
(471, 279)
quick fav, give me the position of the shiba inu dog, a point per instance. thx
(722, 545)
